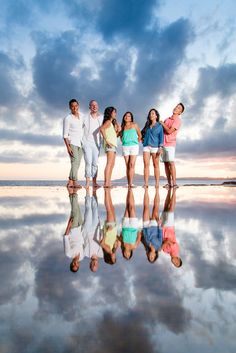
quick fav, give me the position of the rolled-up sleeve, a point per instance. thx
(66, 124)
(161, 137)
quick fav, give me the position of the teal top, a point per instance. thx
(129, 235)
(129, 137)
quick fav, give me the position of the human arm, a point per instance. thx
(138, 132)
(68, 146)
(66, 127)
(160, 141)
(138, 239)
(69, 225)
(103, 131)
(168, 130)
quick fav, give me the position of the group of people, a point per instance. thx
(84, 135)
(89, 238)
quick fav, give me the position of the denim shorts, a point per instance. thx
(110, 149)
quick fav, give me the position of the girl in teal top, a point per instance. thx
(130, 136)
(130, 235)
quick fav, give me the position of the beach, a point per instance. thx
(41, 299)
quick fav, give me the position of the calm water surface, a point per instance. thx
(131, 306)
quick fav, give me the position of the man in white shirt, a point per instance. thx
(73, 239)
(91, 231)
(92, 143)
(73, 135)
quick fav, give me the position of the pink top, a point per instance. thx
(173, 248)
(170, 139)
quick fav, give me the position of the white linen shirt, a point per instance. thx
(92, 130)
(73, 129)
(74, 243)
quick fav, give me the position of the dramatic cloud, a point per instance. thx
(9, 93)
(29, 138)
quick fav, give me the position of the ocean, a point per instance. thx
(138, 182)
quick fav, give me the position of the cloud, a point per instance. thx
(124, 18)
(53, 65)
(9, 93)
(220, 143)
(31, 220)
(29, 138)
(220, 80)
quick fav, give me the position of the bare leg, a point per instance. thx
(167, 171)
(146, 161)
(155, 161)
(109, 167)
(146, 211)
(173, 172)
(127, 166)
(109, 206)
(172, 201)
(131, 166)
(130, 204)
(87, 183)
(156, 203)
(167, 201)
(95, 185)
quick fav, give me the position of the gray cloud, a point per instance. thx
(221, 143)
(53, 64)
(29, 138)
(124, 18)
(159, 52)
(31, 220)
(9, 93)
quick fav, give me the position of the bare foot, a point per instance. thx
(106, 186)
(96, 186)
(76, 185)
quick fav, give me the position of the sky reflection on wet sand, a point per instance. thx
(132, 306)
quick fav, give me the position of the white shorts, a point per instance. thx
(130, 150)
(130, 222)
(150, 223)
(168, 154)
(168, 219)
(150, 149)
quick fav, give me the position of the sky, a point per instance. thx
(134, 55)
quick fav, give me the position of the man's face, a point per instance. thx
(76, 264)
(93, 107)
(74, 107)
(94, 265)
(178, 109)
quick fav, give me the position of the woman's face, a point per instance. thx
(128, 118)
(113, 114)
(151, 256)
(153, 116)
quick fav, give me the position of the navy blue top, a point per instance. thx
(153, 235)
(154, 136)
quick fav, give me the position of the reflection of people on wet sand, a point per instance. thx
(152, 231)
(169, 244)
(130, 234)
(109, 240)
(73, 239)
(91, 231)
